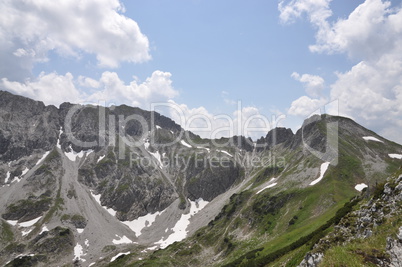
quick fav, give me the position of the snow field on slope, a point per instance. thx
(268, 186)
(323, 169)
(372, 138)
(395, 156)
(100, 158)
(118, 255)
(179, 230)
(25, 225)
(72, 155)
(97, 199)
(122, 240)
(142, 222)
(79, 252)
(225, 152)
(42, 158)
(206, 148)
(184, 143)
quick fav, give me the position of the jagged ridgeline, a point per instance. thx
(88, 185)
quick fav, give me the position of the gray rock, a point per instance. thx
(394, 249)
(387, 189)
(311, 260)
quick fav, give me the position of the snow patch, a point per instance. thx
(225, 152)
(29, 223)
(24, 171)
(372, 138)
(146, 144)
(118, 255)
(122, 240)
(100, 158)
(80, 230)
(142, 222)
(206, 148)
(323, 169)
(184, 143)
(16, 179)
(58, 140)
(158, 127)
(97, 199)
(179, 230)
(360, 187)
(78, 252)
(44, 229)
(268, 186)
(72, 155)
(158, 157)
(7, 177)
(395, 156)
(42, 158)
(14, 223)
(87, 242)
(24, 233)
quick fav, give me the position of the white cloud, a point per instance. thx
(368, 32)
(50, 88)
(312, 83)
(156, 88)
(88, 82)
(56, 89)
(305, 106)
(317, 10)
(372, 94)
(247, 121)
(29, 29)
(371, 91)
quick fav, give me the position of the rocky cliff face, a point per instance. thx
(275, 137)
(128, 162)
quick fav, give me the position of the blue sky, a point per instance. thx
(284, 58)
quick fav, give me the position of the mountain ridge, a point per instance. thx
(147, 189)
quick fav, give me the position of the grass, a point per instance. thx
(54, 155)
(6, 234)
(359, 252)
(291, 259)
(268, 226)
(259, 224)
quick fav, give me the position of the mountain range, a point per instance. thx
(85, 185)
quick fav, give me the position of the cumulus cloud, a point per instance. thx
(156, 88)
(312, 83)
(306, 106)
(371, 91)
(316, 10)
(109, 88)
(370, 31)
(247, 121)
(30, 29)
(44, 86)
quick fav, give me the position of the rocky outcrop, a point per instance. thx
(311, 260)
(26, 126)
(361, 224)
(57, 241)
(394, 249)
(275, 137)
